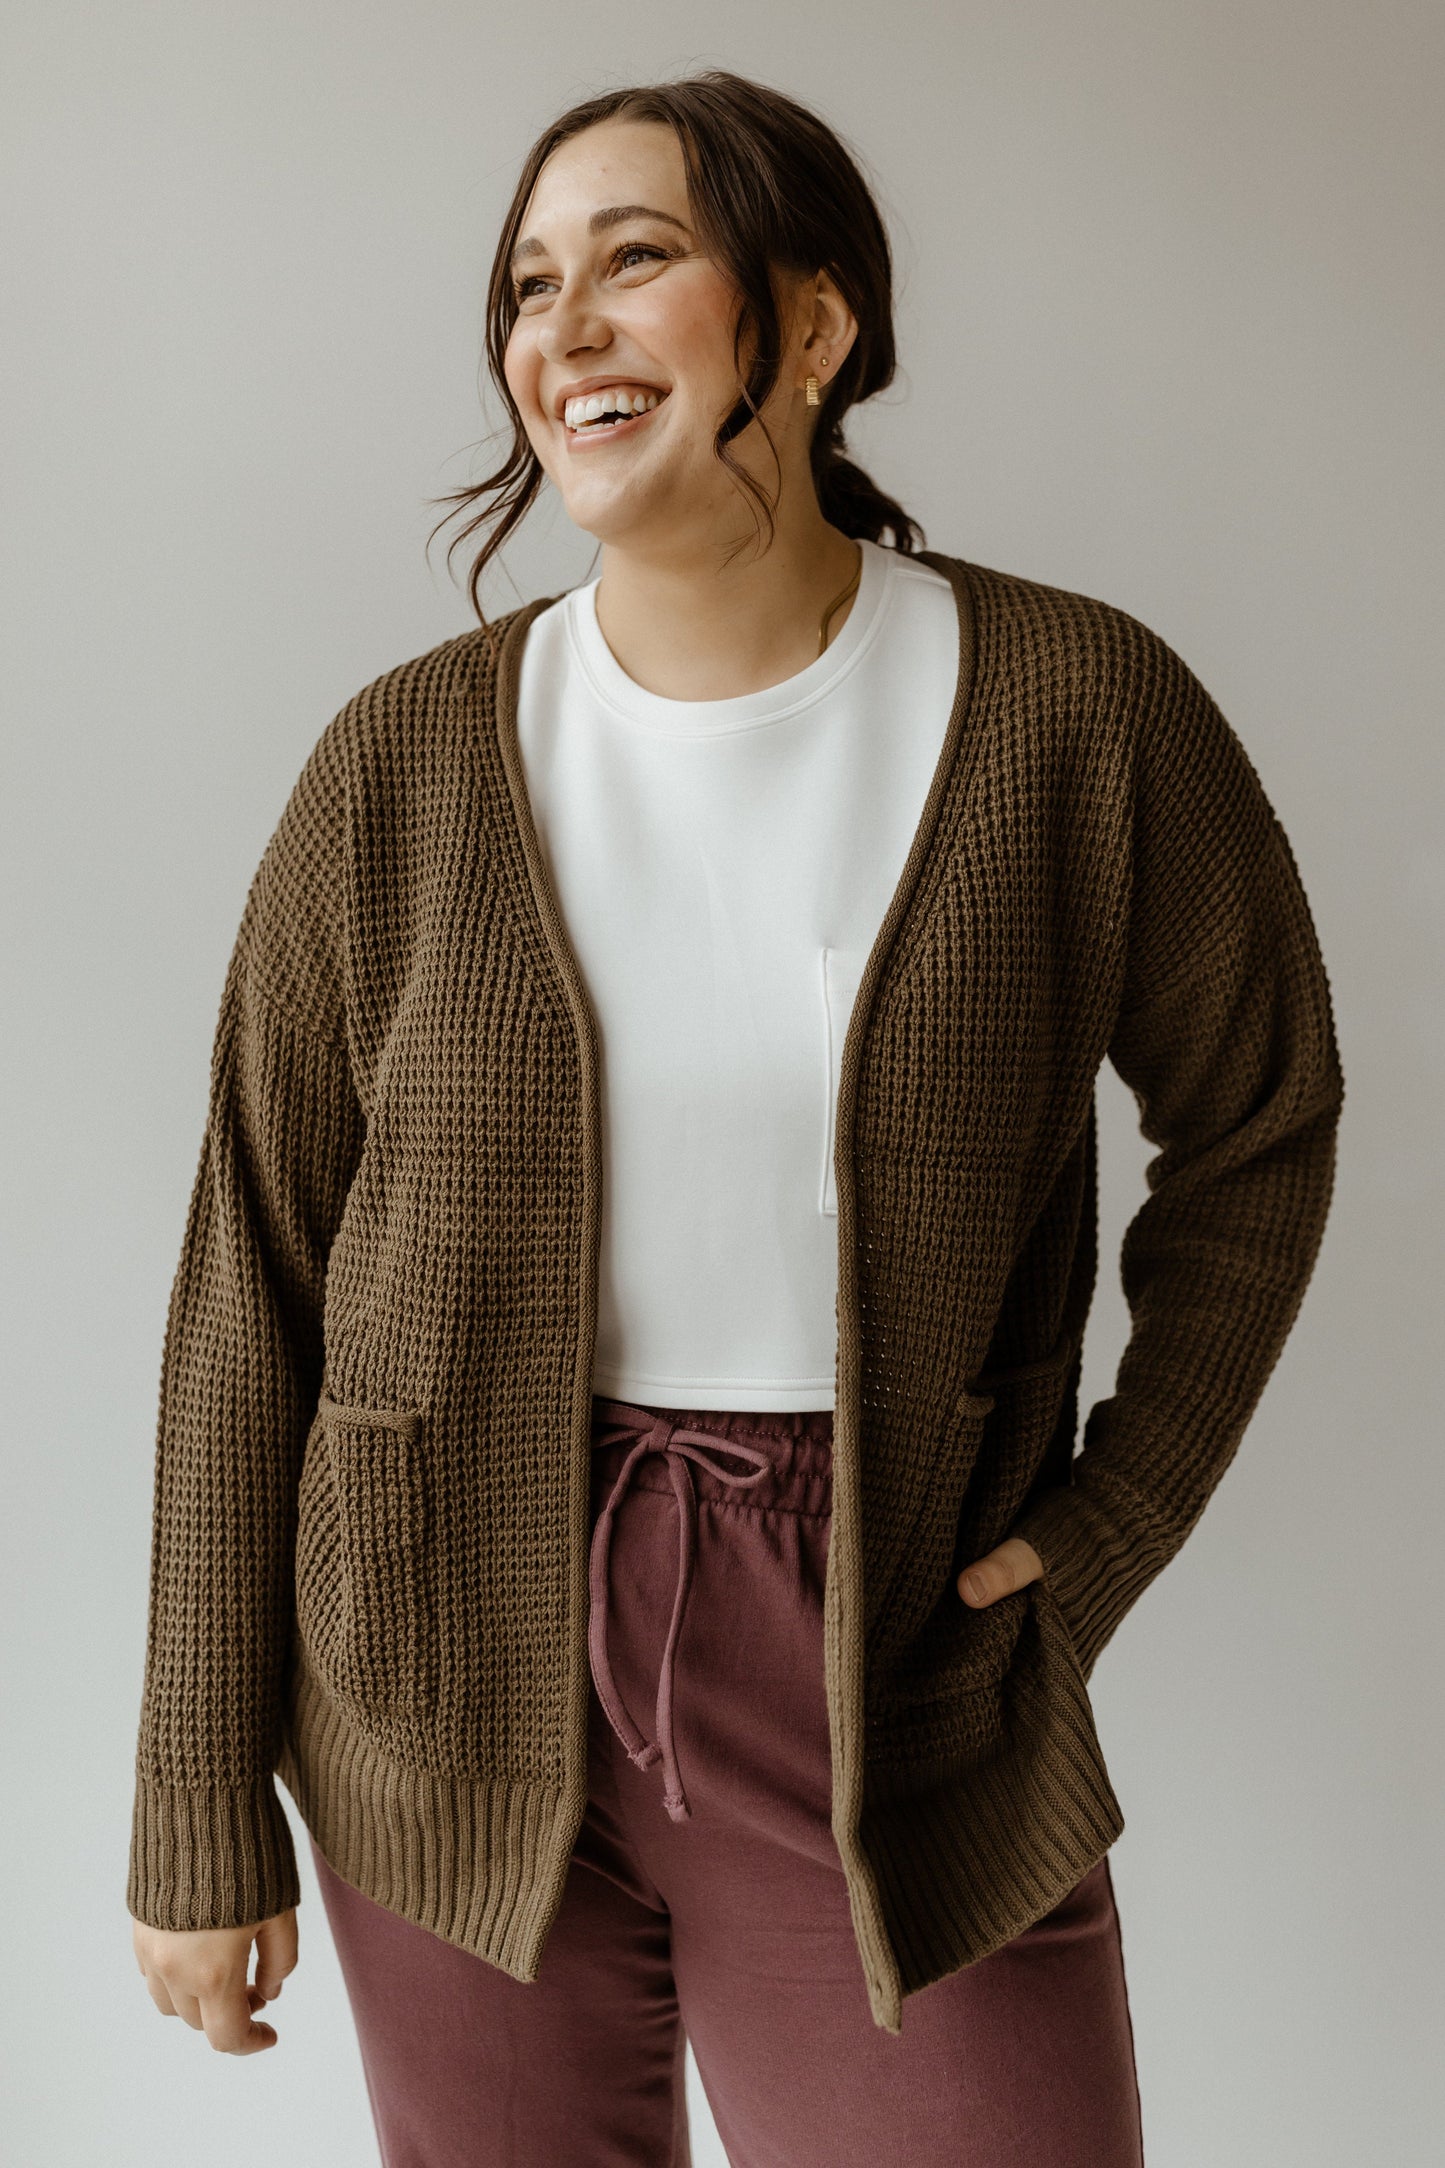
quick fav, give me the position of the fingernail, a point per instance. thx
(974, 1585)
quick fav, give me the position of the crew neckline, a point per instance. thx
(645, 710)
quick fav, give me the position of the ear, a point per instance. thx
(833, 323)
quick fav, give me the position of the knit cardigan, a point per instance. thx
(368, 1566)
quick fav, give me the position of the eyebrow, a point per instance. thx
(614, 214)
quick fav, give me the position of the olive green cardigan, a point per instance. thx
(369, 1560)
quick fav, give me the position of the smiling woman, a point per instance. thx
(642, 1243)
(712, 245)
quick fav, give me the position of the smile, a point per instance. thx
(611, 402)
(610, 423)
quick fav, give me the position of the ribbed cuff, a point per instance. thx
(1096, 1566)
(210, 1856)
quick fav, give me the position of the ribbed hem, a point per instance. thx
(481, 1861)
(1096, 1568)
(209, 1856)
(967, 1853)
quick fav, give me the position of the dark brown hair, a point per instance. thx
(770, 187)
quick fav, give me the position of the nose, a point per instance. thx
(574, 324)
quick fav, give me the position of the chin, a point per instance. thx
(603, 523)
(617, 499)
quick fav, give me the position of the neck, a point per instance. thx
(692, 628)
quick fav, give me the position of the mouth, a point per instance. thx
(611, 424)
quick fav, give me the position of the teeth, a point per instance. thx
(577, 412)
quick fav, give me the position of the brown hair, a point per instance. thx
(769, 185)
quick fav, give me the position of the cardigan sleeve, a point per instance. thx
(240, 1378)
(1226, 1037)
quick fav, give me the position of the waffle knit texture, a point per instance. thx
(369, 1554)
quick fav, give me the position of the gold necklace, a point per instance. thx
(838, 602)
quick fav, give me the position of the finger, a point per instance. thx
(1010, 1566)
(160, 1994)
(977, 1586)
(229, 2026)
(985, 1581)
(275, 1952)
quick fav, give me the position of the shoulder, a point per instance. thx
(349, 805)
(404, 722)
(403, 709)
(1104, 681)
(1209, 852)
(1033, 633)
(1116, 712)
(414, 704)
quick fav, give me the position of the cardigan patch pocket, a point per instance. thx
(1031, 1428)
(988, 1454)
(363, 1600)
(934, 1645)
(841, 972)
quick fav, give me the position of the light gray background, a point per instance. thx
(1170, 316)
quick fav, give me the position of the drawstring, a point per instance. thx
(678, 1444)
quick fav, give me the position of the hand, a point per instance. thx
(200, 1975)
(1012, 1565)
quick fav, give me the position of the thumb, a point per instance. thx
(1010, 1566)
(275, 1952)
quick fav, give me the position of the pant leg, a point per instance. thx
(468, 2068)
(1024, 2060)
(1025, 2057)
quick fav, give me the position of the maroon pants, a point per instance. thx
(706, 1901)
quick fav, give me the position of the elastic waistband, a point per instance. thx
(798, 1444)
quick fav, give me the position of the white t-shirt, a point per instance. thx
(723, 867)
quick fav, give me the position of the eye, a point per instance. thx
(521, 288)
(640, 248)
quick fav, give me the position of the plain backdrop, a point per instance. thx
(1170, 318)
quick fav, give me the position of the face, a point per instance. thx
(635, 303)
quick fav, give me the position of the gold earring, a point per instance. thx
(810, 391)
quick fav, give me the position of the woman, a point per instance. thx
(617, 1418)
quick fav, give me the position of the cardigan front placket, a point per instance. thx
(842, 1624)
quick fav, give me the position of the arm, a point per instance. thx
(240, 1375)
(1226, 1037)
